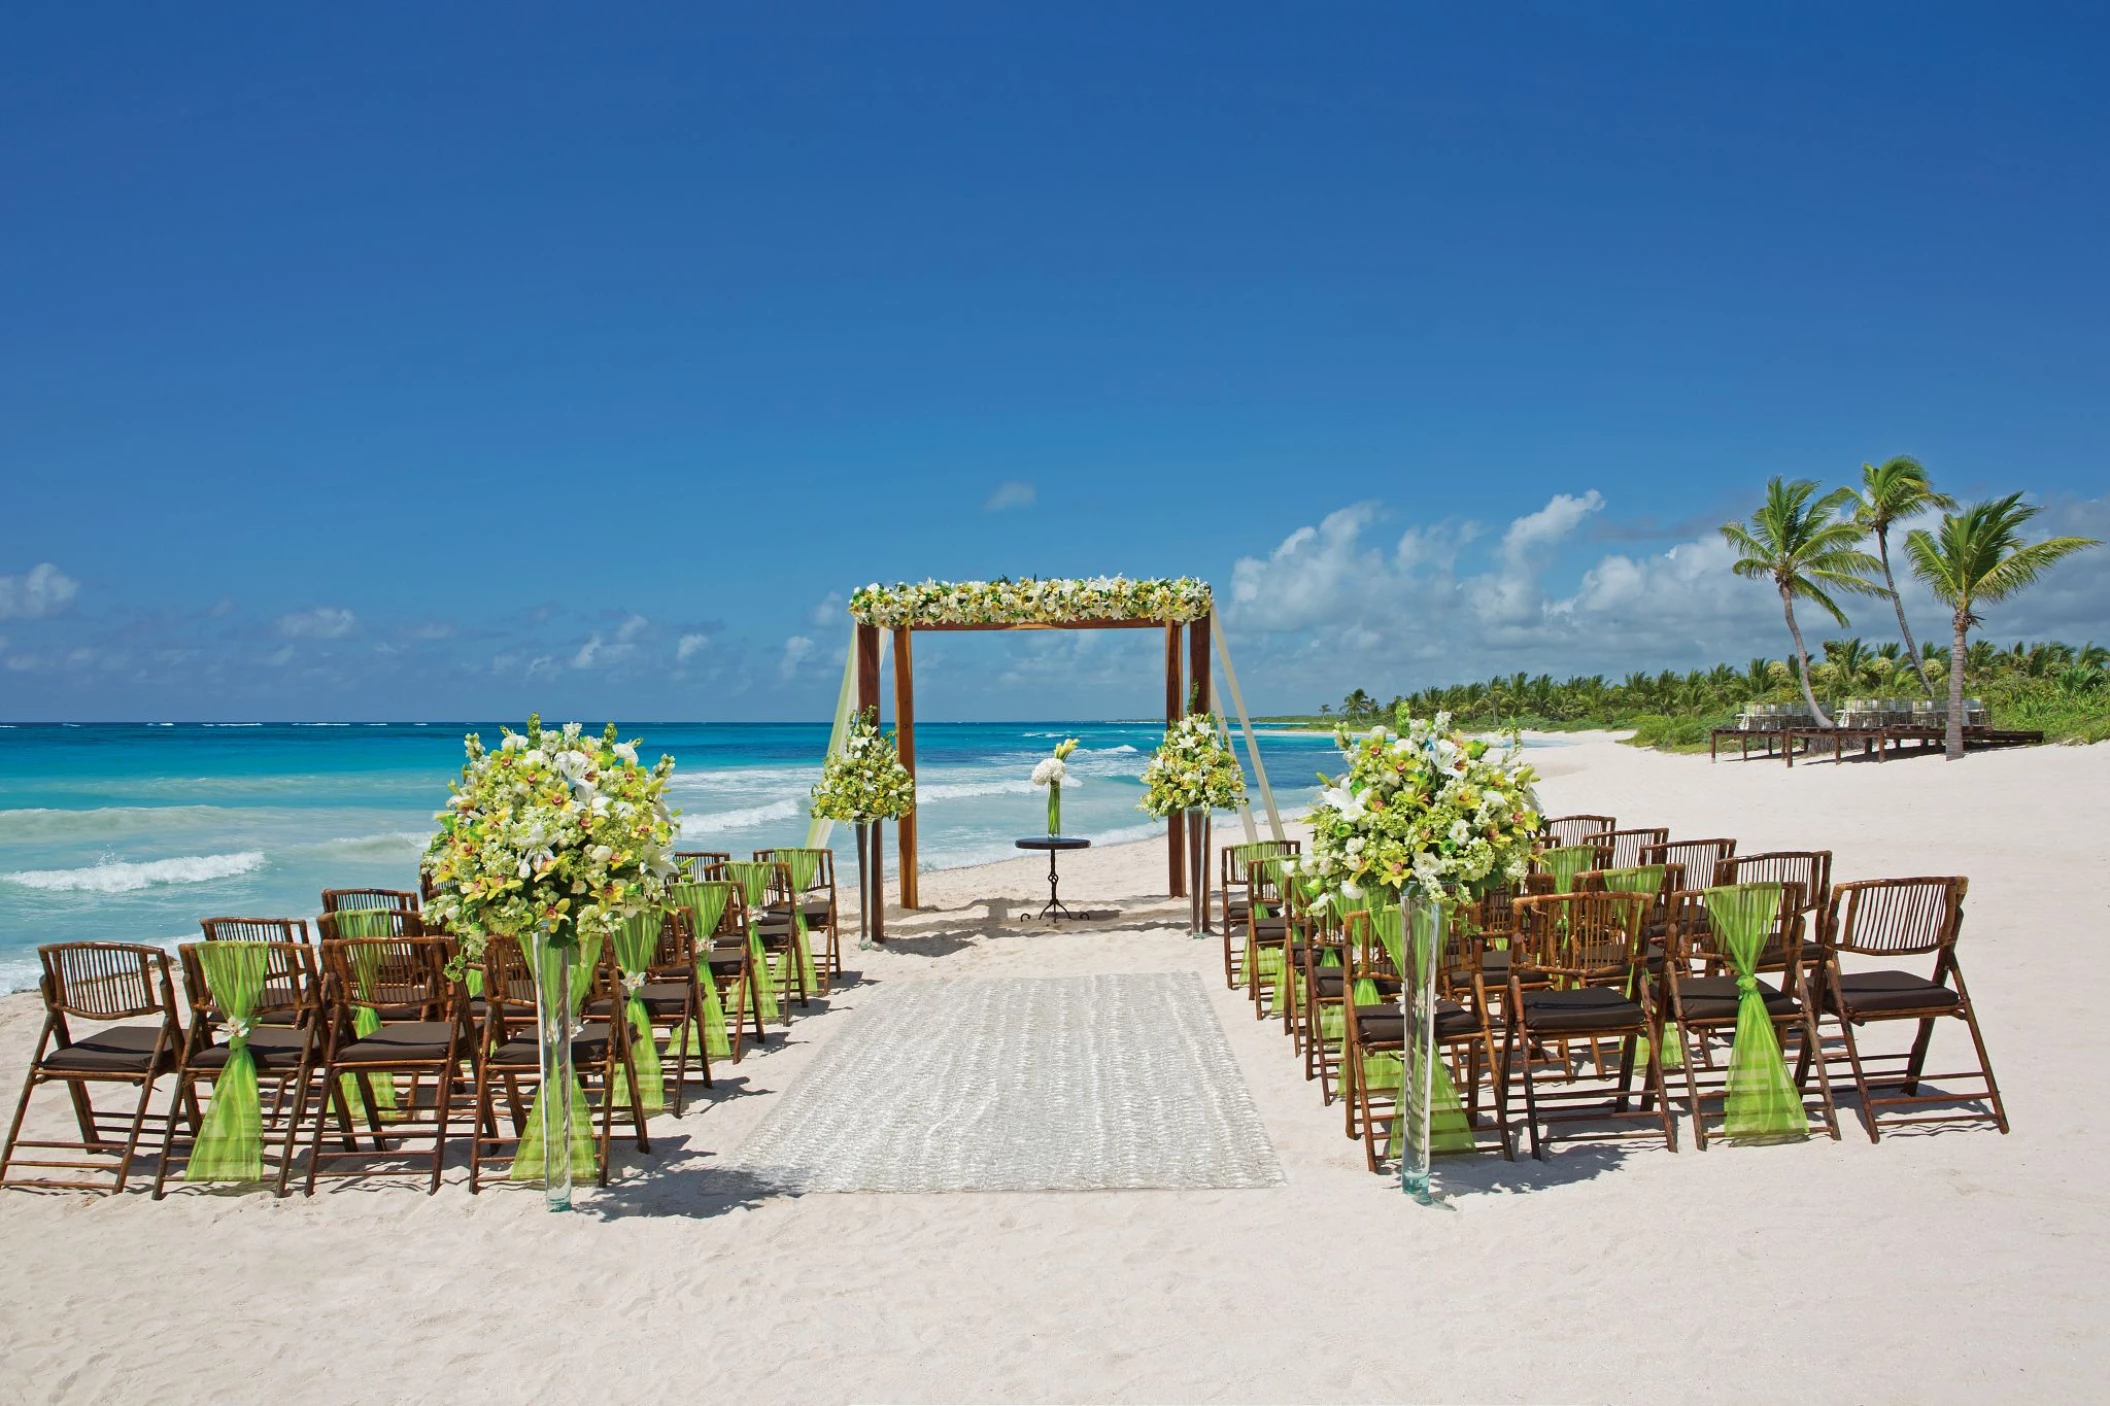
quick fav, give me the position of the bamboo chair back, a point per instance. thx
(1577, 830)
(1696, 857)
(1582, 939)
(1692, 943)
(255, 929)
(1897, 917)
(677, 942)
(1366, 957)
(390, 974)
(106, 980)
(509, 989)
(1809, 871)
(397, 899)
(1264, 884)
(1494, 911)
(400, 922)
(1233, 860)
(291, 992)
(1593, 881)
(824, 867)
(1627, 846)
(702, 865)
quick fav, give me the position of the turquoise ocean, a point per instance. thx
(134, 832)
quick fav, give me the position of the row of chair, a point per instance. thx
(1535, 982)
(370, 1039)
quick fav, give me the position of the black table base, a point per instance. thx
(1054, 845)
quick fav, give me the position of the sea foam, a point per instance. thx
(117, 876)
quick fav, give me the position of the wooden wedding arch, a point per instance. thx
(1183, 609)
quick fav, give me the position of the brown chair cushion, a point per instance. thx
(122, 1049)
(1716, 997)
(1385, 1025)
(1270, 930)
(1330, 981)
(590, 1045)
(1581, 1010)
(273, 1047)
(411, 1041)
(1893, 991)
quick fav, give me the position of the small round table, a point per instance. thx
(1054, 845)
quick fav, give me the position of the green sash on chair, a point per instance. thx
(230, 1145)
(367, 922)
(636, 943)
(1271, 962)
(753, 880)
(1763, 1103)
(706, 902)
(527, 1157)
(1565, 863)
(804, 864)
(1648, 879)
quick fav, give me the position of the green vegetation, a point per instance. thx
(1809, 548)
(2063, 690)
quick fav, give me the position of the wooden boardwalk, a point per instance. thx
(1861, 741)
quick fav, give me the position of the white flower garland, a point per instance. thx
(1174, 600)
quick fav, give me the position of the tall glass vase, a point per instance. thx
(1197, 871)
(1054, 807)
(553, 1019)
(1427, 924)
(864, 894)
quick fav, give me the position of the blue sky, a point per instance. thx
(413, 364)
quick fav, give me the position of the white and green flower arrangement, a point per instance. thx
(1192, 769)
(1432, 811)
(1051, 772)
(555, 831)
(1174, 600)
(865, 781)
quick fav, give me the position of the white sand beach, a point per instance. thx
(1959, 1265)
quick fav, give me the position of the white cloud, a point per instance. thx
(690, 646)
(605, 651)
(433, 630)
(830, 613)
(42, 590)
(797, 650)
(322, 623)
(1011, 494)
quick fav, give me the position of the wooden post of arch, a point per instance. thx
(868, 697)
(905, 721)
(1198, 700)
(1176, 824)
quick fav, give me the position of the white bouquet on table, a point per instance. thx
(1051, 772)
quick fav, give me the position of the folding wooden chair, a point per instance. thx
(816, 899)
(1266, 938)
(416, 1028)
(97, 982)
(1577, 973)
(288, 1021)
(1902, 918)
(1234, 861)
(1702, 1003)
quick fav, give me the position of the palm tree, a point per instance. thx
(1894, 490)
(1978, 556)
(1805, 549)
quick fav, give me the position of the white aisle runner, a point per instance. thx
(1019, 1084)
